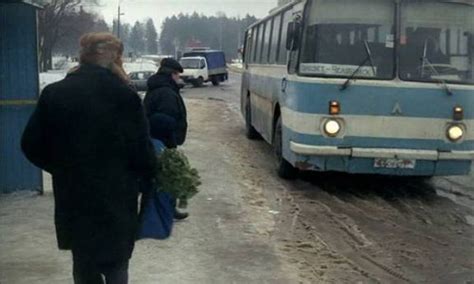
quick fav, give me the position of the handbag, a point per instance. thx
(156, 216)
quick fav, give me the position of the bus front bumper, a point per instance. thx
(371, 160)
(430, 155)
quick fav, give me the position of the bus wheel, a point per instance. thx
(250, 131)
(285, 169)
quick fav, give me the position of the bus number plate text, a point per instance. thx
(395, 163)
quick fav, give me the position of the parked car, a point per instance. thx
(139, 79)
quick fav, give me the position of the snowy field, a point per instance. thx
(52, 76)
(62, 66)
(140, 65)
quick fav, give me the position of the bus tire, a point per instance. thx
(284, 168)
(250, 131)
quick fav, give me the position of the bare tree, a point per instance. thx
(51, 23)
(74, 27)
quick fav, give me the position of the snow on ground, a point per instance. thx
(50, 77)
(140, 65)
(61, 65)
(64, 65)
(237, 65)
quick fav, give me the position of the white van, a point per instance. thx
(195, 70)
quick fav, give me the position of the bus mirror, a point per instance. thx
(293, 34)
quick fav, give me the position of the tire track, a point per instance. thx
(409, 212)
(361, 243)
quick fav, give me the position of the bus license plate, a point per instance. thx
(395, 163)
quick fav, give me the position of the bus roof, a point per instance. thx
(203, 51)
(467, 2)
(294, 2)
(274, 12)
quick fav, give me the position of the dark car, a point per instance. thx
(139, 79)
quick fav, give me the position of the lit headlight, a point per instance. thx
(332, 127)
(455, 133)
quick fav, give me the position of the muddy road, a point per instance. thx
(249, 226)
(334, 228)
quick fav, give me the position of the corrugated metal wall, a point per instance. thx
(19, 89)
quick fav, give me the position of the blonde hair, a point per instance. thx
(98, 48)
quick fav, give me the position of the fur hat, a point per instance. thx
(95, 45)
(97, 48)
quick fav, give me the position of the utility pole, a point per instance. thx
(118, 21)
(220, 33)
(176, 44)
(239, 41)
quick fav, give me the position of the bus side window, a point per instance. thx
(261, 40)
(283, 54)
(252, 45)
(256, 35)
(266, 41)
(275, 40)
(248, 47)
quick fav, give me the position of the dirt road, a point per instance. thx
(342, 228)
(249, 226)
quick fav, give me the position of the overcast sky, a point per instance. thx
(158, 10)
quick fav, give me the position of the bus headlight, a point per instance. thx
(332, 127)
(455, 132)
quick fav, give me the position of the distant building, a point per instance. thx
(194, 44)
(19, 90)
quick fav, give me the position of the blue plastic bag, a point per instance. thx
(158, 145)
(156, 217)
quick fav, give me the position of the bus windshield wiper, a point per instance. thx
(426, 62)
(368, 58)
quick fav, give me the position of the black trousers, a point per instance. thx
(86, 271)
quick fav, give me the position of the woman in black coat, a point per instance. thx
(90, 132)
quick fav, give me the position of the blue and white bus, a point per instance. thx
(363, 86)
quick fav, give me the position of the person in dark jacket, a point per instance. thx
(163, 97)
(163, 128)
(90, 132)
(164, 104)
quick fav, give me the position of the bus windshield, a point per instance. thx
(436, 42)
(340, 35)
